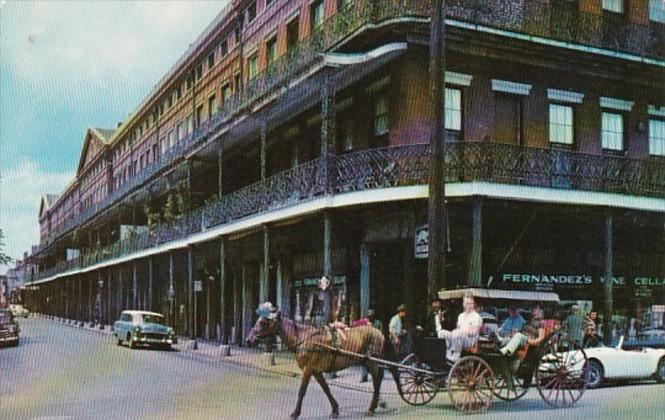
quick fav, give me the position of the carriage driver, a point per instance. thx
(465, 336)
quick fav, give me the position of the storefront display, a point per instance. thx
(307, 299)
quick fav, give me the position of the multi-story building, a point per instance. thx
(292, 140)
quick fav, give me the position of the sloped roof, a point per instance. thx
(93, 135)
(104, 134)
(46, 202)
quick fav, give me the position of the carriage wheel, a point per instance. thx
(563, 373)
(510, 386)
(416, 388)
(471, 384)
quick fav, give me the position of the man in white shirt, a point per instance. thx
(466, 334)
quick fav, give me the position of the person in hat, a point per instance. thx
(435, 316)
(397, 330)
(514, 323)
(465, 336)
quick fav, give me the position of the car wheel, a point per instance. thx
(660, 373)
(130, 342)
(118, 341)
(596, 373)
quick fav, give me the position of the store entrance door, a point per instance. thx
(386, 280)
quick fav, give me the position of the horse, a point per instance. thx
(306, 342)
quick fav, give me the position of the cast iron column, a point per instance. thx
(265, 266)
(436, 264)
(476, 263)
(609, 274)
(222, 292)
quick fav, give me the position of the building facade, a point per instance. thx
(292, 140)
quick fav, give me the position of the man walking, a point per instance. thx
(573, 325)
(397, 331)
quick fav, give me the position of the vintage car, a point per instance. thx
(143, 328)
(9, 329)
(19, 310)
(615, 363)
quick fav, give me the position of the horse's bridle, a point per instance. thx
(280, 332)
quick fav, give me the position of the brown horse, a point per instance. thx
(314, 360)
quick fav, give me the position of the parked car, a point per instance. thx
(143, 328)
(652, 334)
(9, 328)
(19, 310)
(614, 363)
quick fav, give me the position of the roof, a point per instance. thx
(50, 199)
(104, 134)
(500, 294)
(137, 312)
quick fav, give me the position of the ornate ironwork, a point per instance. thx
(397, 167)
(559, 19)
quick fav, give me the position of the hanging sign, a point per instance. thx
(421, 242)
(198, 286)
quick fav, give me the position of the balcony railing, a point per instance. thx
(560, 20)
(401, 166)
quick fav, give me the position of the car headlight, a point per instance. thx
(137, 329)
(171, 331)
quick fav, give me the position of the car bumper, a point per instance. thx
(155, 340)
(8, 338)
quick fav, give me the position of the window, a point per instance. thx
(615, 6)
(612, 131)
(508, 119)
(316, 13)
(657, 10)
(292, 34)
(250, 13)
(236, 81)
(253, 65)
(381, 115)
(453, 113)
(271, 50)
(162, 145)
(212, 106)
(226, 91)
(190, 123)
(657, 137)
(155, 151)
(171, 139)
(224, 48)
(199, 72)
(269, 2)
(199, 115)
(561, 124)
(211, 60)
(188, 85)
(181, 130)
(178, 93)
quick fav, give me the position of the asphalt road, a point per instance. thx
(59, 372)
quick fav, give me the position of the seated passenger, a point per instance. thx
(514, 323)
(465, 336)
(534, 333)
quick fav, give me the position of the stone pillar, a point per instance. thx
(476, 255)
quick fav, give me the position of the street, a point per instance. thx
(64, 372)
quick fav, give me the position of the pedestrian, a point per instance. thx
(591, 338)
(397, 331)
(434, 317)
(370, 320)
(573, 325)
(465, 335)
(326, 298)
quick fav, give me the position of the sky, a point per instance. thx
(69, 65)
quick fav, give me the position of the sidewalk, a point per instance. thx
(285, 363)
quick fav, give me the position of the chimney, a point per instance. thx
(119, 124)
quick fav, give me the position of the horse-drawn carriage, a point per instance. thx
(557, 366)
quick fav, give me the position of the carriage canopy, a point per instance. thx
(477, 292)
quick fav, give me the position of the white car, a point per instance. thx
(18, 310)
(613, 363)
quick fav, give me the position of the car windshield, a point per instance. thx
(153, 319)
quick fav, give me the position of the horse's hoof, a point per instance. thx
(383, 405)
(334, 414)
(369, 413)
(294, 416)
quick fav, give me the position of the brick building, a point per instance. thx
(292, 140)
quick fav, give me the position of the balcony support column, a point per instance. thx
(327, 245)
(109, 308)
(151, 279)
(191, 325)
(608, 277)
(264, 135)
(135, 286)
(171, 291)
(265, 266)
(222, 292)
(476, 256)
(235, 339)
(364, 279)
(120, 303)
(190, 170)
(436, 272)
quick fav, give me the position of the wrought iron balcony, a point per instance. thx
(560, 20)
(402, 166)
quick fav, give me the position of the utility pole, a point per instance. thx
(436, 264)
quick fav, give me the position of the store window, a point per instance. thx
(657, 10)
(561, 124)
(616, 6)
(612, 131)
(657, 137)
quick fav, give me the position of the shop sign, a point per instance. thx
(580, 280)
(657, 308)
(314, 281)
(421, 242)
(198, 286)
